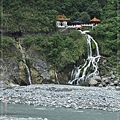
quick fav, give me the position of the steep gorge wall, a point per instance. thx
(13, 68)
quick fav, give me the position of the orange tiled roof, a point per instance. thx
(95, 20)
(62, 17)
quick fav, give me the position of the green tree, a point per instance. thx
(94, 10)
(108, 32)
(84, 16)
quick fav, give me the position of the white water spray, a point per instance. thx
(24, 60)
(82, 73)
(56, 76)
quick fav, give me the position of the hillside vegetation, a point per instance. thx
(36, 20)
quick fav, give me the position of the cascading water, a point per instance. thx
(90, 67)
(56, 76)
(24, 60)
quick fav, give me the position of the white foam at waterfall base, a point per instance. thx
(80, 74)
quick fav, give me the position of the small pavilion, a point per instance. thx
(95, 20)
(62, 20)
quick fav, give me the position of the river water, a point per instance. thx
(53, 113)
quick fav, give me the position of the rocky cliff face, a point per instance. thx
(13, 69)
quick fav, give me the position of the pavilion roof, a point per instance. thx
(78, 21)
(62, 17)
(94, 20)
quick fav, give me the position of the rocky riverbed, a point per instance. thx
(77, 97)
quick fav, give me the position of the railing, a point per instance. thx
(76, 26)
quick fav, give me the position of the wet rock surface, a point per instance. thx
(77, 97)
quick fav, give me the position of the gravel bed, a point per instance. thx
(77, 97)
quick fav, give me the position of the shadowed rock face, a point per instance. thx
(39, 68)
(13, 68)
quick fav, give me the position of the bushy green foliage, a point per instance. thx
(107, 32)
(28, 16)
(60, 49)
(7, 47)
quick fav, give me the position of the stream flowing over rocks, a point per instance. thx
(77, 97)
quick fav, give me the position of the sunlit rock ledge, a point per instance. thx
(77, 97)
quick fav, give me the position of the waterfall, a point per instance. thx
(56, 76)
(24, 60)
(90, 67)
